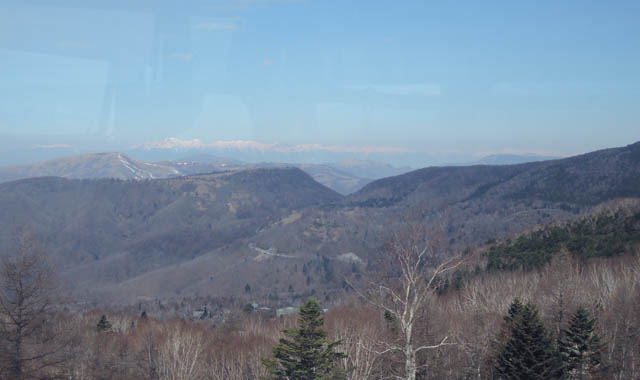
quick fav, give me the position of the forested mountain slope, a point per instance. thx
(472, 204)
(608, 231)
(282, 233)
(149, 224)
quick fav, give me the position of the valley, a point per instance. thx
(118, 241)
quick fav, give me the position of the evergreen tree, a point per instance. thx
(527, 353)
(305, 354)
(513, 313)
(506, 329)
(104, 324)
(580, 347)
(515, 309)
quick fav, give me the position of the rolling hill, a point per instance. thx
(281, 232)
(95, 165)
(126, 228)
(120, 166)
(472, 204)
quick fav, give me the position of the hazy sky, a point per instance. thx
(439, 78)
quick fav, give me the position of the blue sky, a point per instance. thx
(416, 82)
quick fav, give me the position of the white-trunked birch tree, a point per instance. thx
(415, 262)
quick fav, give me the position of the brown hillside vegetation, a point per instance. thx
(279, 231)
(460, 325)
(147, 348)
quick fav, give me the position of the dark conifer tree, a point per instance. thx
(527, 353)
(515, 309)
(580, 347)
(305, 354)
(503, 336)
(103, 324)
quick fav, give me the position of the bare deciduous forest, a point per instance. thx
(456, 333)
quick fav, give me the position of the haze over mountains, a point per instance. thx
(344, 177)
(99, 165)
(215, 233)
(511, 159)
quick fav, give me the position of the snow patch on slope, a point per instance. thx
(137, 172)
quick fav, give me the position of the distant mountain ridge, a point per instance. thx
(215, 233)
(511, 159)
(506, 159)
(369, 169)
(472, 203)
(586, 179)
(343, 177)
(95, 165)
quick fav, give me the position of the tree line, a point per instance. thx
(602, 235)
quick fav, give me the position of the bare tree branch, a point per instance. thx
(415, 256)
